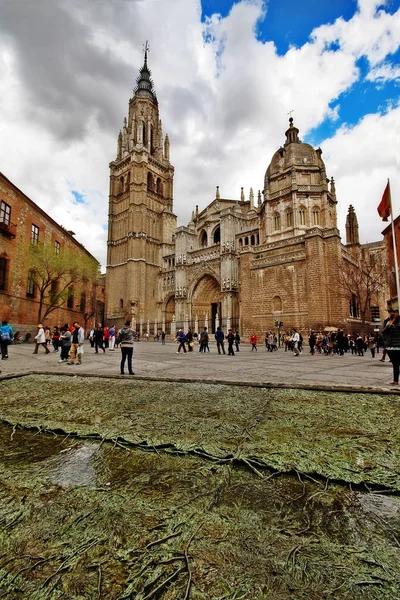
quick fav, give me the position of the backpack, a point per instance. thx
(5, 336)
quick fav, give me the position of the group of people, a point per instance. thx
(187, 340)
(70, 339)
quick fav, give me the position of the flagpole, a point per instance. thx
(396, 266)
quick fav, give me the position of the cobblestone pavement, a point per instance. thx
(153, 360)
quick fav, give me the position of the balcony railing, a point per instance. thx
(8, 228)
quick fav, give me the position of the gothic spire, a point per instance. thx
(352, 227)
(145, 85)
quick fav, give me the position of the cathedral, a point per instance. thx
(248, 264)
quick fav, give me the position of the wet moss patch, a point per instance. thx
(337, 435)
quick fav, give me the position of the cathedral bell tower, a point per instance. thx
(141, 223)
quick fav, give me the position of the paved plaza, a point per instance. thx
(155, 361)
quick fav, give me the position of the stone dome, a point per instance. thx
(293, 154)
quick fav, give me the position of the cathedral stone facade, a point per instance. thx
(245, 263)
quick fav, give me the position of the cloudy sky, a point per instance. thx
(226, 75)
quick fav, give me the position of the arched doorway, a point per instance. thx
(206, 302)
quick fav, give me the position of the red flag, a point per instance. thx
(384, 208)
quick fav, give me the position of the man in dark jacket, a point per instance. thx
(189, 340)
(231, 338)
(99, 338)
(219, 336)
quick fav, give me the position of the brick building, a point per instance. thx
(22, 223)
(241, 263)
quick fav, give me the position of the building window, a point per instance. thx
(302, 216)
(82, 304)
(121, 303)
(34, 234)
(203, 240)
(151, 141)
(150, 183)
(57, 247)
(70, 299)
(54, 289)
(217, 236)
(159, 187)
(3, 273)
(277, 222)
(252, 240)
(5, 213)
(289, 218)
(30, 285)
(128, 182)
(246, 241)
(354, 307)
(315, 216)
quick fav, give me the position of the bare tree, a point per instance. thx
(54, 274)
(361, 279)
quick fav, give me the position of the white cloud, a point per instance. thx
(361, 159)
(383, 73)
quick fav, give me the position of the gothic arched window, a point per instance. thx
(246, 241)
(159, 186)
(121, 303)
(121, 185)
(203, 239)
(277, 221)
(302, 215)
(150, 182)
(144, 135)
(217, 236)
(128, 181)
(289, 218)
(151, 141)
(252, 240)
(315, 216)
(240, 243)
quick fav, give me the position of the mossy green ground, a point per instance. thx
(258, 519)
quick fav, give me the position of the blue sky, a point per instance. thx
(226, 75)
(289, 23)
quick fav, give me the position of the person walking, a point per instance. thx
(181, 338)
(312, 341)
(99, 338)
(340, 341)
(237, 341)
(6, 337)
(78, 337)
(189, 340)
(204, 341)
(163, 338)
(65, 343)
(295, 339)
(253, 342)
(40, 338)
(55, 338)
(231, 339)
(372, 345)
(391, 333)
(219, 337)
(360, 345)
(125, 340)
(111, 338)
